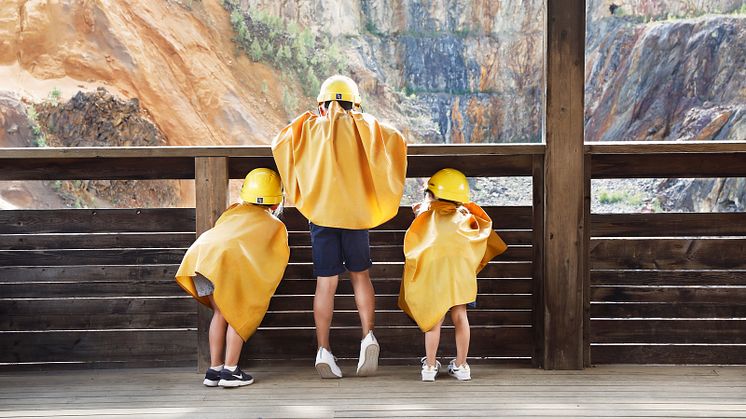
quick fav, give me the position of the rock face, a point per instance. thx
(97, 119)
(681, 80)
(15, 128)
(100, 119)
(179, 62)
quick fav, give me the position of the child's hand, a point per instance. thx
(416, 208)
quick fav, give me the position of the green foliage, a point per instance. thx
(289, 102)
(741, 10)
(307, 57)
(54, 96)
(613, 197)
(255, 51)
(265, 87)
(39, 139)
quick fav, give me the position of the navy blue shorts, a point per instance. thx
(337, 249)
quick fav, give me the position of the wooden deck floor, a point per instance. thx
(296, 392)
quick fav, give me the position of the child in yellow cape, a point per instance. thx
(448, 243)
(235, 268)
(344, 171)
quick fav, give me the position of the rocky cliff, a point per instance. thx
(452, 71)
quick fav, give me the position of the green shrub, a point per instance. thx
(255, 51)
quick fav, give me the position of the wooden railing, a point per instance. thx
(94, 287)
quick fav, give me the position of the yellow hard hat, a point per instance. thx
(262, 186)
(339, 88)
(449, 184)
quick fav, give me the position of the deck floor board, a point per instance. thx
(296, 392)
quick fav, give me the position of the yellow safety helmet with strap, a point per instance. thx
(449, 184)
(339, 87)
(262, 186)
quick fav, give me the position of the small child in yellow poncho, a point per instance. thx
(235, 268)
(448, 243)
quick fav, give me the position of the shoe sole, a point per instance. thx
(210, 383)
(459, 378)
(428, 379)
(325, 371)
(233, 384)
(370, 365)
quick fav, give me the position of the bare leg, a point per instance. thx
(463, 333)
(323, 308)
(233, 345)
(216, 335)
(432, 340)
(365, 299)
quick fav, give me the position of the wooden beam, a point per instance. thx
(538, 259)
(564, 187)
(211, 190)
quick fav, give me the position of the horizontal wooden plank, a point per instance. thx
(87, 273)
(302, 254)
(668, 331)
(144, 272)
(168, 256)
(167, 287)
(87, 346)
(183, 220)
(248, 151)
(97, 168)
(97, 220)
(471, 165)
(91, 256)
(477, 317)
(705, 294)
(98, 313)
(672, 165)
(389, 237)
(676, 309)
(668, 253)
(512, 217)
(668, 224)
(389, 302)
(703, 148)
(44, 241)
(667, 354)
(395, 343)
(392, 285)
(678, 277)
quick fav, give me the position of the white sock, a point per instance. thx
(217, 368)
(231, 368)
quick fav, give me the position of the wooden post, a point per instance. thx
(537, 174)
(211, 190)
(564, 185)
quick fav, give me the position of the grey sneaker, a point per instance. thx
(461, 372)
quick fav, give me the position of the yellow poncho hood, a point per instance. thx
(343, 170)
(244, 256)
(445, 247)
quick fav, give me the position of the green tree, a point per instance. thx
(255, 51)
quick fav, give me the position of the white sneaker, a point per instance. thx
(326, 364)
(429, 372)
(461, 372)
(369, 350)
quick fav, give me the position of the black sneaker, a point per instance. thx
(235, 378)
(211, 378)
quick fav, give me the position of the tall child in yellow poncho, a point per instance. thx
(448, 243)
(345, 172)
(234, 268)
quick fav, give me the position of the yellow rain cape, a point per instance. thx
(445, 247)
(343, 170)
(244, 256)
